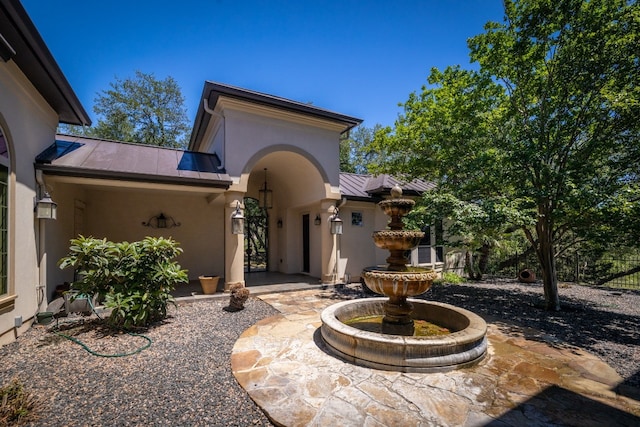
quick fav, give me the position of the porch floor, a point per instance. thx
(259, 283)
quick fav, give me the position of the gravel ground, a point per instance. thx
(602, 321)
(184, 378)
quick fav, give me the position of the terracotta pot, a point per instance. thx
(209, 284)
(527, 276)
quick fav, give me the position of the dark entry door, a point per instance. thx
(305, 244)
(256, 237)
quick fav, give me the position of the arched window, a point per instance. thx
(4, 213)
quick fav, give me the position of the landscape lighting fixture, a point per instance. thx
(237, 221)
(46, 208)
(265, 195)
(336, 222)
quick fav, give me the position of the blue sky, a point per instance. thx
(359, 58)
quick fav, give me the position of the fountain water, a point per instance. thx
(395, 347)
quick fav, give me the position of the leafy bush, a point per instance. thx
(16, 404)
(135, 279)
(449, 278)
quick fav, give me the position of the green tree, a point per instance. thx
(355, 150)
(142, 109)
(547, 127)
(475, 228)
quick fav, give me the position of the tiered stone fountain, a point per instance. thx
(381, 332)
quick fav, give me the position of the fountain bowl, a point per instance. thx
(396, 207)
(398, 283)
(397, 240)
(465, 346)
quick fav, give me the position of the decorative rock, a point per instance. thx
(239, 295)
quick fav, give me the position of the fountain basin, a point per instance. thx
(465, 346)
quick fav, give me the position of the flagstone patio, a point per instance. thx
(526, 379)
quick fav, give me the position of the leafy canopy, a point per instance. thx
(547, 126)
(142, 109)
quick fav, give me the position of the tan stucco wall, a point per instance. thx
(357, 248)
(29, 125)
(118, 215)
(249, 137)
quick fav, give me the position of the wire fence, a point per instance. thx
(615, 272)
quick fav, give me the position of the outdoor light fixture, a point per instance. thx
(237, 221)
(336, 222)
(46, 208)
(279, 222)
(317, 221)
(161, 221)
(265, 195)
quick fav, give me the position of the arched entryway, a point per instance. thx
(256, 236)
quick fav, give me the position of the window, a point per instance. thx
(356, 219)
(424, 247)
(439, 241)
(430, 250)
(4, 219)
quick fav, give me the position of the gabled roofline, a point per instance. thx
(213, 91)
(21, 43)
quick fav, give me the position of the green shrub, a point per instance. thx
(449, 278)
(135, 279)
(16, 404)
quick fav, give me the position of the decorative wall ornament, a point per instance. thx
(161, 221)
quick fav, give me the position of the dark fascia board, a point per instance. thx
(34, 59)
(123, 176)
(6, 50)
(212, 91)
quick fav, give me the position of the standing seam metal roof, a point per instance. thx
(372, 188)
(95, 158)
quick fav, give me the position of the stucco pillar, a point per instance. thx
(233, 243)
(329, 252)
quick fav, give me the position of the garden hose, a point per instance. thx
(95, 353)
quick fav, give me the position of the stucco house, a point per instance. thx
(245, 145)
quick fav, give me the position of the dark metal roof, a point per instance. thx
(371, 188)
(102, 159)
(20, 42)
(213, 91)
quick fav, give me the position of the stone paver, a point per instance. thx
(280, 363)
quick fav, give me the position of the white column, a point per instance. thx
(233, 243)
(329, 243)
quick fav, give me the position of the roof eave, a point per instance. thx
(212, 91)
(48, 169)
(30, 53)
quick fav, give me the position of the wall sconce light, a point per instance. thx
(161, 221)
(279, 222)
(317, 221)
(265, 195)
(336, 222)
(237, 221)
(46, 208)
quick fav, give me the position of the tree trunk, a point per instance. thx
(470, 266)
(546, 256)
(483, 262)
